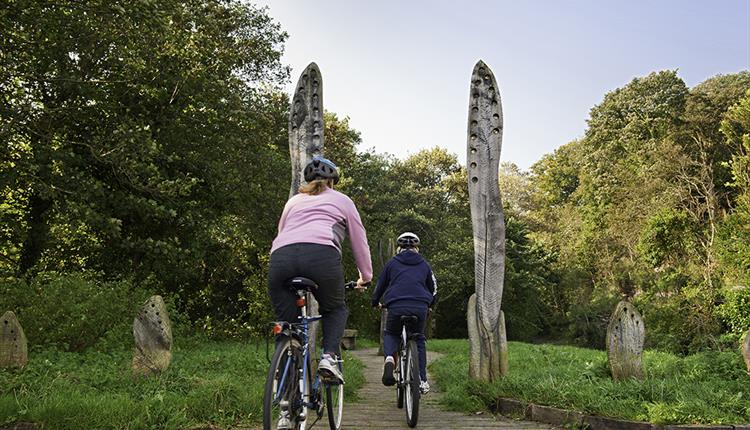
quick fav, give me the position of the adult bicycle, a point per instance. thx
(293, 395)
(407, 371)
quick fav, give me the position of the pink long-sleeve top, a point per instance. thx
(325, 219)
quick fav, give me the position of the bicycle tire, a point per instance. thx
(411, 381)
(289, 392)
(335, 405)
(400, 382)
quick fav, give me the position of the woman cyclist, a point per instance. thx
(406, 286)
(312, 228)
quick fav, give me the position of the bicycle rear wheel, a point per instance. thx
(335, 404)
(400, 381)
(411, 384)
(281, 395)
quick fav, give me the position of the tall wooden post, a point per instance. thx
(306, 140)
(489, 350)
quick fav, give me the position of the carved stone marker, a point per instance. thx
(153, 338)
(625, 337)
(306, 140)
(489, 349)
(13, 347)
(746, 350)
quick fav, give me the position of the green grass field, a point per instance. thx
(219, 383)
(704, 388)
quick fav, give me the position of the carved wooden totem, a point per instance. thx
(385, 252)
(13, 347)
(489, 350)
(153, 338)
(625, 337)
(306, 140)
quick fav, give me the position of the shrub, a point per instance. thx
(735, 312)
(72, 311)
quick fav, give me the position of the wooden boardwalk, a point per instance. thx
(376, 408)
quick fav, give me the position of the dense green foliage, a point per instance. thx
(709, 387)
(650, 204)
(135, 134)
(146, 152)
(208, 383)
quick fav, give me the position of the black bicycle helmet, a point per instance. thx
(408, 240)
(321, 168)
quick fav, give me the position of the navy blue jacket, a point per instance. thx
(406, 280)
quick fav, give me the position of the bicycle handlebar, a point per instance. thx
(353, 284)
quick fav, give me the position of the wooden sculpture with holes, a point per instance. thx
(625, 337)
(153, 338)
(486, 322)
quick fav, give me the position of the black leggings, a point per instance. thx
(322, 264)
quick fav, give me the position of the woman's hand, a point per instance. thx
(361, 285)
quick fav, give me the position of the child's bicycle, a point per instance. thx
(293, 395)
(407, 372)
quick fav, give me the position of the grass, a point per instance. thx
(705, 388)
(217, 383)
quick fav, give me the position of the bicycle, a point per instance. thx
(407, 372)
(291, 392)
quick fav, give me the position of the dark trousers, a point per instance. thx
(322, 264)
(392, 333)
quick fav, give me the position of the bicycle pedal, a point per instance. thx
(284, 424)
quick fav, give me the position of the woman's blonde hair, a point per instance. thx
(316, 186)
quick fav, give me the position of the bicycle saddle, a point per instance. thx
(408, 319)
(300, 283)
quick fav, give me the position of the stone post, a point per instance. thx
(484, 141)
(153, 338)
(625, 337)
(14, 350)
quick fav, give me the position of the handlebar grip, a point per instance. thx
(353, 284)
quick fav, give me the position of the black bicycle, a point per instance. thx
(407, 371)
(292, 393)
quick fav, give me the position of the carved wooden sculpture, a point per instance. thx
(153, 338)
(625, 337)
(13, 347)
(385, 252)
(489, 356)
(306, 140)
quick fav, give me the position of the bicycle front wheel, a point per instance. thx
(335, 404)
(411, 384)
(282, 393)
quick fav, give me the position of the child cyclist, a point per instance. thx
(406, 286)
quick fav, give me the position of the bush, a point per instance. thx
(72, 311)
(735, 312)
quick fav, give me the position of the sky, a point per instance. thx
(400, 70)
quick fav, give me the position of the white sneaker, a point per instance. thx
(328, 369)
(424, 387)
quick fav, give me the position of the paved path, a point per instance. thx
(377, 406)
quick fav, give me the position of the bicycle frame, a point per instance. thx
(301, 331)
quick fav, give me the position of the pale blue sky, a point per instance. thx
(400, 69)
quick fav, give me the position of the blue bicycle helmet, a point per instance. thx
(321, 168)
